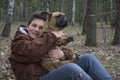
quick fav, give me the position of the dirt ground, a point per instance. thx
(108, 55)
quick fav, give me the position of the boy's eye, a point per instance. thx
(34, 25)
(40, 27)
(37, 26)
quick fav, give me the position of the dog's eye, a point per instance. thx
(58, 16)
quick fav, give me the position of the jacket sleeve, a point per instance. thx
(68, 53)
(31, 50)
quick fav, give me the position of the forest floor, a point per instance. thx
(108, 55)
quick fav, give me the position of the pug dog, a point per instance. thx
(57, 21)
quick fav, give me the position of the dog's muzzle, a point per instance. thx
(62, 23)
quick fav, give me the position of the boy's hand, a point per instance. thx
(56, 53)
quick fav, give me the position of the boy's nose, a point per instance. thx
(37, 29)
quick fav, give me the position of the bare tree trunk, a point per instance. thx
(73, 13)
(84, 28)
(23, 10)
(116, 40)
(56, 5)
(48, 5)
(111, 7)
(6, 29)
(62, 9)
(91, 23)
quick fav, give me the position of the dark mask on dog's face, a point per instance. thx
(61, 21)
(57, 21)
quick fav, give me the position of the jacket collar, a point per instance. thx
(23, 30)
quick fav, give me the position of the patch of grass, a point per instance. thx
(112, 65)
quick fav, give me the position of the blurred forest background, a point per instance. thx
(95, 25)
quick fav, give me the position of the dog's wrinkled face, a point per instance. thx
(57, 21)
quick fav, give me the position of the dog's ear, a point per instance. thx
(45, 14)
(50, 16)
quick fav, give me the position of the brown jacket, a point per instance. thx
(26, 54)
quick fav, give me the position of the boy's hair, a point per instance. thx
(38, 15)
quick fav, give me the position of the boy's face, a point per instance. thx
(36, 27)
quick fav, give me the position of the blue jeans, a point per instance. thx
(87, 68)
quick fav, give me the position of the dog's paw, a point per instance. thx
(69, 39)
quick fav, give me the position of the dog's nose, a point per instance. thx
(63, 22)
(65, 18)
